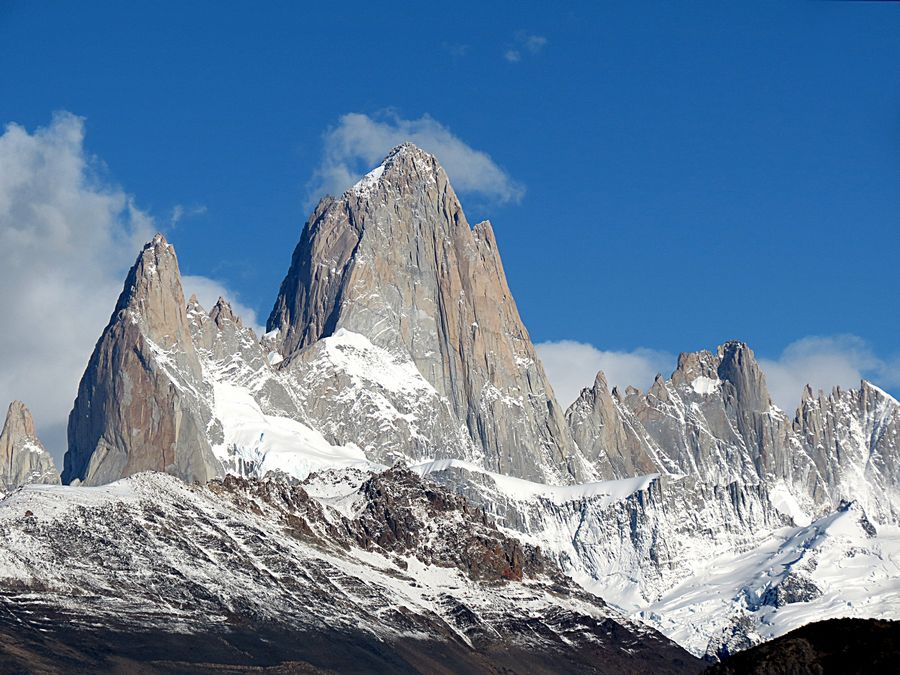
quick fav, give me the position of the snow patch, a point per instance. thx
(786, 504)
(523, 490)
(256, 443)
(705, 385)
(368, 182)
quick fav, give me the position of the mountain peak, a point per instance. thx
(142, 401)
(406, 168)
(738, 365)
(408, 150)
(869, 388)
(395, 261)
(19, 419)
(23, 458)
(222, 312)
(153, 294)
(158, 241)
(692, 365)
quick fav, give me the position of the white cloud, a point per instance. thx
(572, 366)
(67, 239)
(823, 363)
(525, 42)
(512, 55)
(456, 49)
(179, 212)
(208, 292)
(359, 142)
(533, 43)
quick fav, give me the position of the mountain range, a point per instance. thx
(387, 468)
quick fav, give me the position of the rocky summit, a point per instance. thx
(395, 260)
(23, 458)
(143, 403)
(387, 469)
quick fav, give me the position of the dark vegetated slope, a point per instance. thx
(839, 646)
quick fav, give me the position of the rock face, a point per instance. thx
(395, 338)
(23, 459)
(615, 443)
(853, 439)
(395, 260)
(735, 470)
(143, 403)
(713, 420)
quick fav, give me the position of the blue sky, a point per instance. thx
(662, 176)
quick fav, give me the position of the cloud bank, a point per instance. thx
(67, 239)
(824, 362)
(572, 366)
(359, 142)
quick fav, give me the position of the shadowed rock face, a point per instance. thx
(395, 260)
(143, 403)
(23, 458)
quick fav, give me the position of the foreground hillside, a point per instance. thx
(834, 647)
(343, 572)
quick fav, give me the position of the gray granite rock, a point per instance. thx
(23, 458)
(395, 260)
(143, 403)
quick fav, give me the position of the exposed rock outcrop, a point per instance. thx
(713, 419)
(853, 438)
(143, 403)
(608, 437)
(23, 458)
(395, 260)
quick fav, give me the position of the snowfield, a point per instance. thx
(256, 443)
(838, 566)
(150, 553)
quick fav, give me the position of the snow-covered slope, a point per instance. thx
(255, 443)
(717, 493)
(342, 402)
(409, 567)
(839, 566)
(715, 569)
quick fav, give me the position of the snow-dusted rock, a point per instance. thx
(23, 458)
(395, 338)
(853, 437)
(838, 566)
(143, 402)
(395, 260)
